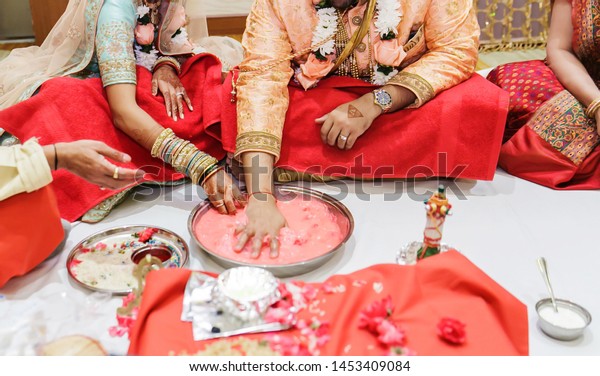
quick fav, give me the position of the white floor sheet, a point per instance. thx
(502, 226)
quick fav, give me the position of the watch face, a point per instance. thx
(383, 97)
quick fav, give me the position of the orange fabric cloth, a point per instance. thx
(30, 230)
(446, 285)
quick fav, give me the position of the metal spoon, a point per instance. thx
(544, 270)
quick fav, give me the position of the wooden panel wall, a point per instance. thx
(44, 14)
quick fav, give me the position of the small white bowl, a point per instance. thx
(246, 292)
(565, 331)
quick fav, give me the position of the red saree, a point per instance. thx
(68, 109)
(549, 140)
(457, 134)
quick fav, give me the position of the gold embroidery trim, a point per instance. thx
(118, 72)
(414, 40)
(258, 141)
(417, 84)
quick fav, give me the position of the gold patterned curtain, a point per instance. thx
(512, 24)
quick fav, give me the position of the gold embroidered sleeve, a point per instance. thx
(262, 93)
(415, 83)
(452, 38)
(114, 43)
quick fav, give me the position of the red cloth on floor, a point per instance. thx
(446, 285)
(68, 109)
(30, 230)
(457, 134)
(532, 158)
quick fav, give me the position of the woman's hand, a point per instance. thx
(264, 222)
(222, 193)
(86, 158)
(344, 125)
(165, 80)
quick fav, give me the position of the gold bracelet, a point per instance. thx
(160, 140)
(170, 60)
(593, 108)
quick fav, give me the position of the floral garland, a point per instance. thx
(145, 32)
(387, 18)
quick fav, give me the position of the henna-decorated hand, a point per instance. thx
(344, 125)
(166, 81)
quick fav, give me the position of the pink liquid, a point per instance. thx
(312, 231)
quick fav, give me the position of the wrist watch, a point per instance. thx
(383, 99)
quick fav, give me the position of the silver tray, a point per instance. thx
(345, 220)
(165, 244)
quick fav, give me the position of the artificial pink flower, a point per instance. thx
(287, 345)
(128, 299)
(390, 334)
(309, 292)
(389, 52)
(315, 68)
(452, 331)
(375, 313)
(327, 288)
(281, 315)
(144, 34)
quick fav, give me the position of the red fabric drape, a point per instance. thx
(69, 109)
(446, 285)
(30, 230)
(457, 134)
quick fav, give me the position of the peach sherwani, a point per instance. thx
(435, 49)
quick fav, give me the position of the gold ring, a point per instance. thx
(343, 138)
(116, 173)
(180, 94)
(219, 205)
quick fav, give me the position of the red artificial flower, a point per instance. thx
(145, 235)
(375, 313)
(390, 334)
(452, 331)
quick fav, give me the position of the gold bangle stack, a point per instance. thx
(591, 110)
(167, 60)
(184, 157)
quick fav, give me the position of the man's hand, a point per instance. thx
(344, 125)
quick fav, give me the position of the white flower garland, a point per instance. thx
(142, 10)
(181, 38)
(325, 29)
(387, 19)
(144, 59)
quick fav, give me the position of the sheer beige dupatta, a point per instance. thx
(68, 49)
(228, 50)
